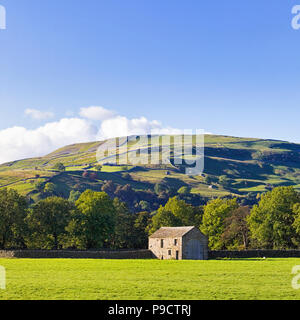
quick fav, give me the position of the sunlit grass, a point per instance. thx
(149, 279)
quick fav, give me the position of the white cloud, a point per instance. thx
(39, 115)
(19, 142)
(96, 113)
(122, 126)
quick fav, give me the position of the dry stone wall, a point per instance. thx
(70, 254)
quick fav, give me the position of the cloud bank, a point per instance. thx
(92, 124)
(39, 115)
(96, 113)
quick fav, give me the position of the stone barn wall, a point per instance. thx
(168, 252)
(195, 234)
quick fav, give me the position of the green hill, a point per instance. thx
(250, 165)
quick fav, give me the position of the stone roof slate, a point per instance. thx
(171, 232)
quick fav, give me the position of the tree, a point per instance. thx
(39, 185)
(109, 187)
(236, 233)
(198, 216)
(181, 210)
(144, 205)
(125, 193)
(141, 223)
(184, 190)
(98, 167)
(224, 181)
(13, 210)
(47, 222)
(59, 167)
(50, 188)
(85, 174)
(296, 223)
(174, 214)
(74, 196)
(75, 237)
(98, 217)
(126, 176)
(123, 236)
(215, 213)
(163, 218)
(161, 187)
(272, 222)
(208, 180)
(93, 176)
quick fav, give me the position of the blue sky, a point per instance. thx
(229, 67)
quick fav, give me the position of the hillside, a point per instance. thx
(250, 165)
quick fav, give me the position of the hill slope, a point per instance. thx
(251, 165)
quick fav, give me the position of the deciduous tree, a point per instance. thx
(175, 213)
(236, 233)
(59, 167)
(13, 210)
(98, 217)
(123, 236)
(47, 222)
(213, 222)
(272, 222)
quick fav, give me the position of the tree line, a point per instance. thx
(95, 220)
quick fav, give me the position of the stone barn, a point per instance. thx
(179, 243)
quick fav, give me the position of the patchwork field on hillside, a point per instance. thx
(251, 165)
(149, 279)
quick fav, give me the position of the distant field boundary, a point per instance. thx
(73, 254)
(254, 254)
(139, 254)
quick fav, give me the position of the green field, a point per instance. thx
(149, 279)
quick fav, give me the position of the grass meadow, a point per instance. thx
(67, 279)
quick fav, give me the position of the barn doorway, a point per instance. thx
(195, 250)
(177, 255)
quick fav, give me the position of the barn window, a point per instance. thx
(170, 252)
(175, 242)
(162, 243)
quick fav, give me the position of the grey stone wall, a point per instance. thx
(73, 254)
(254, 254)
(140, 254)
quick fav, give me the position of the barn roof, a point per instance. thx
(171, 232)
